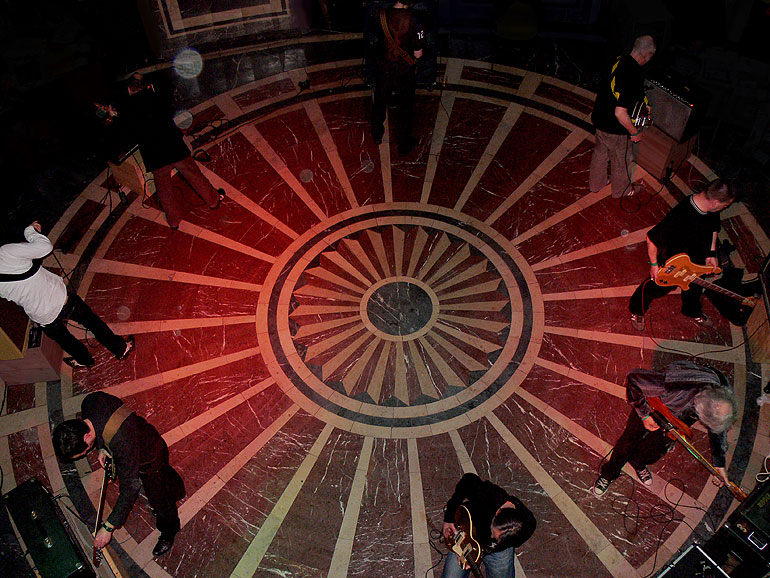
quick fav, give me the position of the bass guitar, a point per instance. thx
(680, 271)
(109, 474)
(679, 431)
(464, 543)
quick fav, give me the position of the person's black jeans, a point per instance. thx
(637, 446)
(77, 310)
(164, 488)
(649, 290)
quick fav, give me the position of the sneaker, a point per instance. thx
(637, 322)
(644, 476)
(601, 485)
(704, 320)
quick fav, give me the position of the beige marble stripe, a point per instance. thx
(463, 457)
(314, 328)
(448, 373)
(590, 380)
(502, 131)
(488, 287)
(323, 310)
(274, 160)
(354, 373)
(462, 276)
(421, 370)
(421, 238)
(593, 537)
(101, 251)
(380, 251)
(450, 265)
(558, 155)
(21, 420)
(473, 340)
(346, 266)
(9, 478)
(192, 425)
(253, 555)
(604, 293)
(480, 306)
(225, 102)
(632, 238)
(493, 326)
(455, 352)
(147, 272)
(387, 176)
(355, 247)
(400, 391)
(420, 535)
(347, 532)
(579, 205)
(328, 368)
(529, 85)
(438, 249)
(331, 343)
(378, 375)
(437, 142)
(398, 250)
(159, 325)
(326, 275)
(643, 341)
(235, 195)
(313, 110)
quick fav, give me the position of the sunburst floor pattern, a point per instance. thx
(352, 330)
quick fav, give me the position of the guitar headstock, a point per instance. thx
(97, 557)
(109, 467)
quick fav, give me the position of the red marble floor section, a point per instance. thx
(563, 185)
(493, 77)
(78, 225)
(237, 161)
(206, 118)
(408, 172)
(602, 222)
(321, 503)
(565, 97)
(251, 97)
(348, 122)
(385, 520)
(150, 244)
(746, 244)
(471, 126)
(344, 74)
(216, 538)
(19, 397)
(556, 548)
(528, 144)
(27, 458)
(295, 140)
(574, 468)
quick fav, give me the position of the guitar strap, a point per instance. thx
(391, 41)
(113, 424)
(7, 277)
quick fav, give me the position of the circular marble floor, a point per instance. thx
(331, 349)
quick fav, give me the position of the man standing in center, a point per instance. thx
(615, 101)
(400, 38)
(501, 521)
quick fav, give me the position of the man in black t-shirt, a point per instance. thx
(399, 45)
(501, 521)
(140, 456)
(615, 101)
(691, 227)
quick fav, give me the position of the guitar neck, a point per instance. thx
(721, 290)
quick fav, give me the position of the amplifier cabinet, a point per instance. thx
(46, 534)
(659, 153)
(691, 563)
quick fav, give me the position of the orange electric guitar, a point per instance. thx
(680, 271)
(464, 543)
(679, 431)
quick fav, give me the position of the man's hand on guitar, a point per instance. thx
(650, 424)
(653, 271)
(712, 262)
(102, 538)
(719, 481)
(102, 456)
(449, 531)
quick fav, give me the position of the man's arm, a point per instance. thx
(712, 261)
(36, 247)
(463, 490)
(652, 255)
(641, 384)
(625, 119)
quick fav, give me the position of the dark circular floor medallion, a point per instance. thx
(399, 308)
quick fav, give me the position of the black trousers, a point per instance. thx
(399, 78)
(637, 446)
(648, 290)
(164, 488)
(77, 310)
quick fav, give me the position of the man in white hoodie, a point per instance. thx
(47, 301)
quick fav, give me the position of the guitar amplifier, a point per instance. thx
(46, 534)
(674, 106)
(691, 563)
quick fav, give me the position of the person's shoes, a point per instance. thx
(129, 348)
(164, 544)
(173, 227)
(637, 322)
(220, 198)
(644, 476)
(74, 363)
(704, 320)
(601, 485)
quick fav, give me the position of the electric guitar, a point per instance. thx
(641, 115)
(679, 431)
(109, 474)
(464, 543)
(680, 271)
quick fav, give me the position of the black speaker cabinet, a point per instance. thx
(742, 545)
(675, 107)
(46, 534)
(691, 563)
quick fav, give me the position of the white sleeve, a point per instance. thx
(37, 246)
